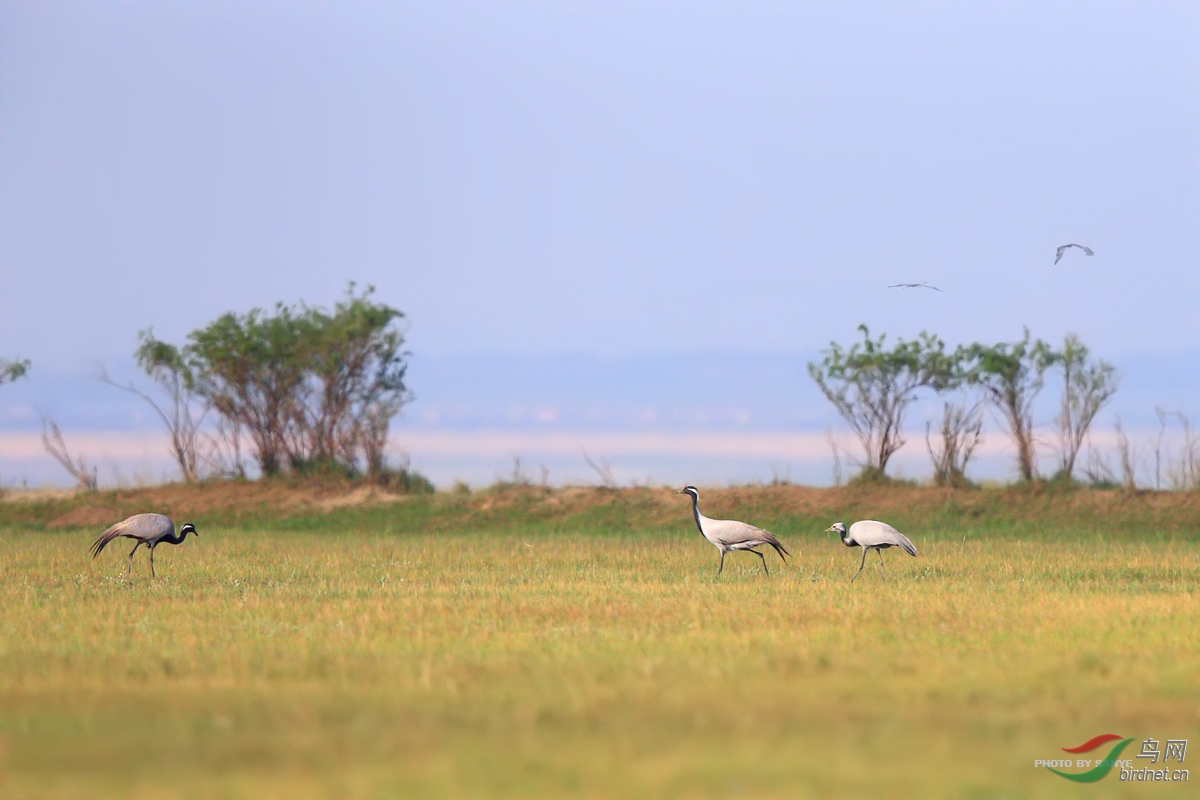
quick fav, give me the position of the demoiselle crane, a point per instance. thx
(147, 529)
(914, 286)
(871, 535)
(727, 534)
(1058, 254)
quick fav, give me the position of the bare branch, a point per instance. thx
(518, 476)
(52, 439)
(837, 457)
(224, 454)
(1087, 387)
(1184, 474)
(1128, 457)
(180, 423)
(781, 477)
(1162, 429)
(961, 433)
(1097, 469)
(602, 469)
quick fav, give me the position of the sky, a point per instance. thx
(627, 218)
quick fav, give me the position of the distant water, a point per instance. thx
(708, 418)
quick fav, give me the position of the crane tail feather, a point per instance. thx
(779, 548)
(907, 546)
(103, 539)
(100, 544)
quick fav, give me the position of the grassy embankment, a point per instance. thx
(575, 643)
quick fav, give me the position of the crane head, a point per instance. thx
(838, 528)
(692, 490)
(188, 528)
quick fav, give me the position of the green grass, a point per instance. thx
(444, 648)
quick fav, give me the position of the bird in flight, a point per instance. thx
(1063, 248)
(913, 286)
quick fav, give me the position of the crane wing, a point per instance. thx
(115, 532)
(905, 545)
(732, 533)
(873, 533)
(728, 531)
(146, 527)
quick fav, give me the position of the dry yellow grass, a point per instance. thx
(538, 664)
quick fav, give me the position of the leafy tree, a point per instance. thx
(1012, 375)
(312, 389)
(872, 386)
(12, 370)
(1087, 387)
(249, 368)
(15, 370)
(355, 359)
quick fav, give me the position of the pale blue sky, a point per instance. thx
(615, 180)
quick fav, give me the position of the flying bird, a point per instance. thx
(727, 534)
(913, 286)
(147, 529)
(1058, 254)
(871, 535)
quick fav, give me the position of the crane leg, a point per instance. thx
(860, 564)
(877, 552)
(152, 575)
(722, 563)
(763, 560)
(129, 563)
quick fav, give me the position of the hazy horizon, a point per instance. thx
(579, 207)
(699, 418)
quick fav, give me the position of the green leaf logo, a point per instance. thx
(1100, 770)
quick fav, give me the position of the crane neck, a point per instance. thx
(177, 537)
(696, 513)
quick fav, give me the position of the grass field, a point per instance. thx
(551, 644)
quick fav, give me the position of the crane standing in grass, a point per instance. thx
(147, 529)
(871, 535)
(728, 534)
